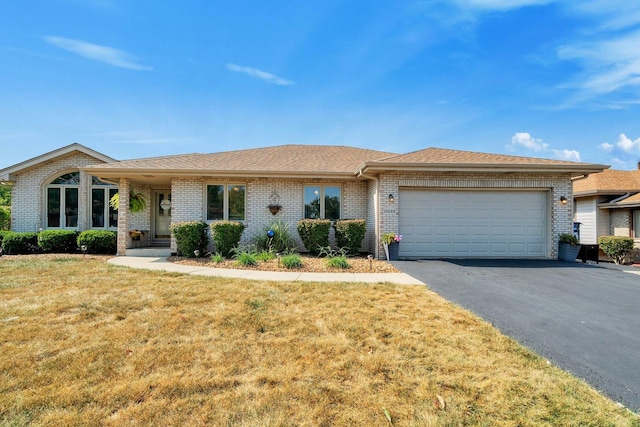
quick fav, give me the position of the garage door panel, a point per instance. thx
(472, 223)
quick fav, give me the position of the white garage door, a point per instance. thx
(497, 224)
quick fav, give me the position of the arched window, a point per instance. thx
(62, 201)
(102, 215)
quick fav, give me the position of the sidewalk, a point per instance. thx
(161, 264)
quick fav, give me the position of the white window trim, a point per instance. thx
(322, 187)
(225, 201)
(63, 201)
(105, 208)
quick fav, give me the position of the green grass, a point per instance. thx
(87, 343)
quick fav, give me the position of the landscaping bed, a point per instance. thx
(309, 264)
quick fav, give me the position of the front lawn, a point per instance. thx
(87, 343)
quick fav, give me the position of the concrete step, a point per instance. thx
(149, 252)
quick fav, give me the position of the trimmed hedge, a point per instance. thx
(226, 236)
(617, 247)
(314, 234)
(98, 241)
(349, 234)
(15, 243)
(190, 236)
(58, 241)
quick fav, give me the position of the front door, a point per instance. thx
(162, 215)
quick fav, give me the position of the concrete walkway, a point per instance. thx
(161, 264)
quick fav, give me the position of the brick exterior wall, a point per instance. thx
(620, 222)
(560, 215)
(28, 210)
(189, 198)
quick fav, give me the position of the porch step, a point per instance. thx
(149, 252)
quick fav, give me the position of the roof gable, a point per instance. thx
(8, 174)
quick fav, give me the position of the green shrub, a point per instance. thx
(5, 217)
(314, 234)
(217, 258)
(350, 233)
(226, 235)
(58, 241)
(245, 256)
(291, 261)
(190, 236)
(281, 240)
(98, 241)
(264, 255)
(15, 243)
(338, 262)
(568, 238)
(2, 233)
(617, 247)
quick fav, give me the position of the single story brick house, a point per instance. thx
(608, 204)
(446, 203)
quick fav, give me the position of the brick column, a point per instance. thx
(123, 216)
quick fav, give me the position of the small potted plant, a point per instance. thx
(568, 247)
(391, 243)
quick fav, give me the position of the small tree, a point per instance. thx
(617, 247)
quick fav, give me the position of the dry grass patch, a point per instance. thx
(87, 343)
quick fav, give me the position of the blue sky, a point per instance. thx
(542, 78)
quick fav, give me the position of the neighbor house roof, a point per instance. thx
(283, 160)
(609, 182)
(442, 159)
(8, 174)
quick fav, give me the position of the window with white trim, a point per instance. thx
(636, 224)
(226, 202)
(102, 214)
(322, 201)
(62, 201)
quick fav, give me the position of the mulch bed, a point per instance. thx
(309, 264)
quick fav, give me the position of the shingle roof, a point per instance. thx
(610, 181)
(283, 158)
(444, 159)
(447, 156)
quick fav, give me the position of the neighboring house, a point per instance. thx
(446, 203)
(608, 204)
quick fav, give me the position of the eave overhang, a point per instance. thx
(149, 175)
(573, 170)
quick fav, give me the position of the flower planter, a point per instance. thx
(392, 251)
(568, 252)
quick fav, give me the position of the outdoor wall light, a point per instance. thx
(391, 199)
(563, 200)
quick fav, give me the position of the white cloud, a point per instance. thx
(570, 155)
(108, 55)
(500, 4)
(609, 65)
(524, 139)
(606, 147)
(259, 74)
(627, 145)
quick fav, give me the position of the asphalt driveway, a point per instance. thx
(585, 319)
